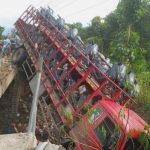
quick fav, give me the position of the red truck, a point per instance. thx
(89, 102)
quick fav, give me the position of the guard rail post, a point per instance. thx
(33, 110)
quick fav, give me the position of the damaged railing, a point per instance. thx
(33, 112)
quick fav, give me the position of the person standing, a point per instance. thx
(6, 46)
(1, 44)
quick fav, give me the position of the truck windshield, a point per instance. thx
(95, 115)
(107, 133)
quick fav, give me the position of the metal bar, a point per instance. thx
(103, 95)
(53, 78)
(31, 14)
(43, 42)
(34, 121)
(68, 72)
(32, 73)
(35, 28)
(25, 70)
(90, 97)
(116, 95)
(29, 67)
(52, 71)
(28, 15)
(70, 52)
(46, 39)
(63, 44)
(24, 12)
(26, 34)
(35, 96)
(75, 86)
(41, 32)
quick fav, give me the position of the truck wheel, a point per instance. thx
(19, 56)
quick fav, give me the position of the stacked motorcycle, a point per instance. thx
(117, 72)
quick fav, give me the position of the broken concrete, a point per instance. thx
(53, 147)
(8, 72)
(19, 141)
(49, 146)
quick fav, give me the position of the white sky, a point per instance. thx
(10, 10)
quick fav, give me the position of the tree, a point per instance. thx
(112, 27)
(129, 12)
(143, 28)
(127, 52)
(97, 27)
(1, 31)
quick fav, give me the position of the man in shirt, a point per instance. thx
(6, 46)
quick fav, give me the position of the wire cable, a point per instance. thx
(86, 9)
(55, 2)
(40, 3)
(65, 5)
(58, 3)
(49, 3)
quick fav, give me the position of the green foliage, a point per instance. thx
(144, 139)
(94, 28)
(69, 116)
(130, 11)
(144, 96)
(1, 31)
(112, 25)
(20, 69)
(123, 51)
(104, 132)
(97, 28)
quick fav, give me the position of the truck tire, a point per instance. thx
(19, 56)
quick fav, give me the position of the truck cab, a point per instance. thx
(108, 126)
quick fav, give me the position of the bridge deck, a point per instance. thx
(7, 73)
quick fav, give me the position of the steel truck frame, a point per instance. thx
(103, 119)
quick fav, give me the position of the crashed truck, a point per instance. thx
(90, 103)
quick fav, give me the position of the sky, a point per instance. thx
(71, 10)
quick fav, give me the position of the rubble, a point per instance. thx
(19, 141)
(49, 146)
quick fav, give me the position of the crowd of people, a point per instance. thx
(5, 46)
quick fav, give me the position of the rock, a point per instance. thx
(51, 146)
(19, 141)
